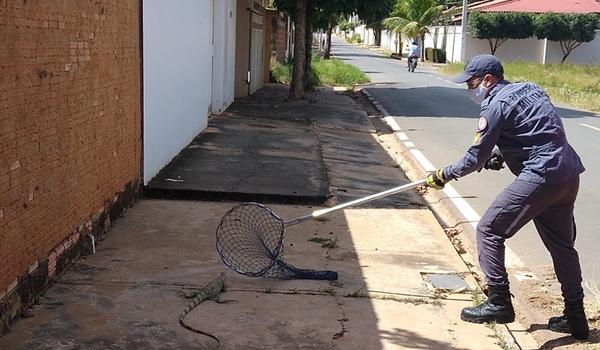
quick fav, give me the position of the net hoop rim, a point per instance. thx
(263, 271)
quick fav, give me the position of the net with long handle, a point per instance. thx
(250, 242)
(250, 238)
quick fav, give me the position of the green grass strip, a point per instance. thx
(332, 72)
(574, 85)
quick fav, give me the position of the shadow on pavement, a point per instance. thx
(439, 102)
(366, 54)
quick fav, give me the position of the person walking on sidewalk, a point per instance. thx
(522, 122)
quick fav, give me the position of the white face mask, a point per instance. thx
(478, 94)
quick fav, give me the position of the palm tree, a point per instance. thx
(412, 18)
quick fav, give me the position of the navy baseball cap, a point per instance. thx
(479, 66)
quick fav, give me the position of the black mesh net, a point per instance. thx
(250, 241)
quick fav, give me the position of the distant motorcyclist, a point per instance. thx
(413, 53)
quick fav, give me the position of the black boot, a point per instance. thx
(497, 308)
(573, 321)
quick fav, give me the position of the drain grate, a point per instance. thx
(450, 282)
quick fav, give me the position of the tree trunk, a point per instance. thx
(492, 46)
(327, 53)
(422, 47)
(377, 35)
(298, 82)
(309, 41)
(563, 48)
(567, 47)
(496, 44)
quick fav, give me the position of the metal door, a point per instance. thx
(256, 52)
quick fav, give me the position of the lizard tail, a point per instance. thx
(211, 290)
(190, 328)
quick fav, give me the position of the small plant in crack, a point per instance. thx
(328, 243)
(359, 293)
(328, 291)
(477, 295)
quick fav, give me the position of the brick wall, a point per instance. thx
(70, 126)
(280, 39)
(275, 34)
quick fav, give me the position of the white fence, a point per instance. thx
(587, 53)
(449, 38)
(389, 40)
(532, 49)
(366, 34)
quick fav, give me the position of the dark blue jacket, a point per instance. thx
(522, 122)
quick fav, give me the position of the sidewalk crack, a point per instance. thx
(342, 321)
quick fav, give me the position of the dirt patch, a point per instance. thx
(453, 236)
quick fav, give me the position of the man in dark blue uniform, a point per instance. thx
(521, 121)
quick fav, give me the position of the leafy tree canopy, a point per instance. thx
(412, 18)
(374, 12)
(571, 30)
(370, 11)
(563, 27)
(497, 27)
(501, 25)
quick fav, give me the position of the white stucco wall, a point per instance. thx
(454, 43)
(177, 60)
(451, 44)
(366, 34)
(388, 41)
(532, 49)
(512, 50)
(587, 53)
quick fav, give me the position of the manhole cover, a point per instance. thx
(451, 282)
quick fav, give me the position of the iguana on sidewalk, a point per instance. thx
(209, 291)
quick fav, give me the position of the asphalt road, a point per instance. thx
(441, 121)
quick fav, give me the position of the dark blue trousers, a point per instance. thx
(550, 206)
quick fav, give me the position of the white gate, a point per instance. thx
(256, 52)
(223, 80)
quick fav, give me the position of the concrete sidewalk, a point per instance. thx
(265, 148)
(390, 256)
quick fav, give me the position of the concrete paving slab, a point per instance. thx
(238, 158)
(297, 112)
(357, 166)
(127, 295)
(265, 148)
